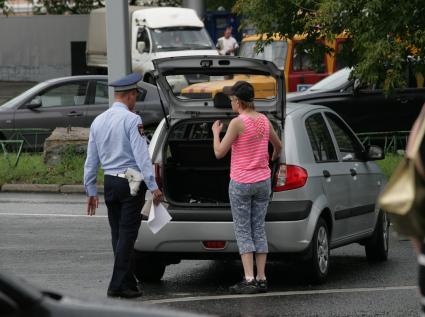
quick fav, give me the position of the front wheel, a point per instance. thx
(320, 258)
(147, 269)
(377, 246)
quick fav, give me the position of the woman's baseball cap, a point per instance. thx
(241, 89)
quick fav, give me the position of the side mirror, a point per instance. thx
(375, 153)
(34, 103)
(141, 47)
(356, 86)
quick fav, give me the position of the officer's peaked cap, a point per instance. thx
(128, 82)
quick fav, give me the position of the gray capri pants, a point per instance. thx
(249, 207)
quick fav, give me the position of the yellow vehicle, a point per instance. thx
(264, 86)
(288, 55)
(296, 62)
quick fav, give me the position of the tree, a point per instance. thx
(4, 8)
(387, 37)
(66, 7)
(213, 5)
(85, 6)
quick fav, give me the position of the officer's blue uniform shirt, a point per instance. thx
(116, 143)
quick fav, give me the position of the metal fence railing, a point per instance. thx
(391, 142)
(18, 140)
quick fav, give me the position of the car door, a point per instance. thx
(335, 180)
(62, 105)
(98, 100)
(364, 185)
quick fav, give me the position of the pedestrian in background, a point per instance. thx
(117, 142)
(248, 136)
(227, 44)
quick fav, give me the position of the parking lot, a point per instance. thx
(48, 240)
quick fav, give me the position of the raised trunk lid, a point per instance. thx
(198, 92)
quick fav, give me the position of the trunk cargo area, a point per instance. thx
(191, 172)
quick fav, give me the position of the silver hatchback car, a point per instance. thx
(325, 186)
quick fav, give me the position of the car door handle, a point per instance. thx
(353, 172)
(74, 114)
(326, 173)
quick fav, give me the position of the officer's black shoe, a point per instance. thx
(127, 293)
(244, 287)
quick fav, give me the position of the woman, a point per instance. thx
(248, 136)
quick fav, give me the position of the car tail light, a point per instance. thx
(290, 177)
(158, 175)
(216, 245)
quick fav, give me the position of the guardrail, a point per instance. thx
(391, 141)
(16, 140)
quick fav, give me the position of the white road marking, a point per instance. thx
(288, 293)
(47, 215)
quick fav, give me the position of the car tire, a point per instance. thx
(377, 246)
(147, 268)
(320, 258)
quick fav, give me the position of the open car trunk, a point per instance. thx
(191, 173)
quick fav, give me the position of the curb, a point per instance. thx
(47, 188)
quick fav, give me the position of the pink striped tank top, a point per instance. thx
(250, 157)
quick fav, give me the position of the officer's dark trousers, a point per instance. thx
(124, 219)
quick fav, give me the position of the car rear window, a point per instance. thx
(199, 85)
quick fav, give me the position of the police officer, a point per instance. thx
(117, 142)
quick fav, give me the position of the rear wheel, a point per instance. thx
(319, 262)
(147, 268)
(377, 246)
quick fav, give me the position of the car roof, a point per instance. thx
(297, 108)
(78, 77)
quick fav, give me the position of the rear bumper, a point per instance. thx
(277, 211)
(184, 239)
(286, 226)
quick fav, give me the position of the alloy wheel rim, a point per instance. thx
(322, 250)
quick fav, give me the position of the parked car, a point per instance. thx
(325, 186)
(69, 101)
(21, 299)
(366, 108)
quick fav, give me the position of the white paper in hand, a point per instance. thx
(158, 217)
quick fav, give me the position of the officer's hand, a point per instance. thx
(92, 204)
(157, 196)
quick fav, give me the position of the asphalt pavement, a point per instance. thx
(48, 240)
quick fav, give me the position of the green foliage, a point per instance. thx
(85, 6)
(387, 37)
(67, 7)
(389, 164)
(213, 5)
(32, 170)
(4, 8)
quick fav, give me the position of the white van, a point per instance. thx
(156, 32)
